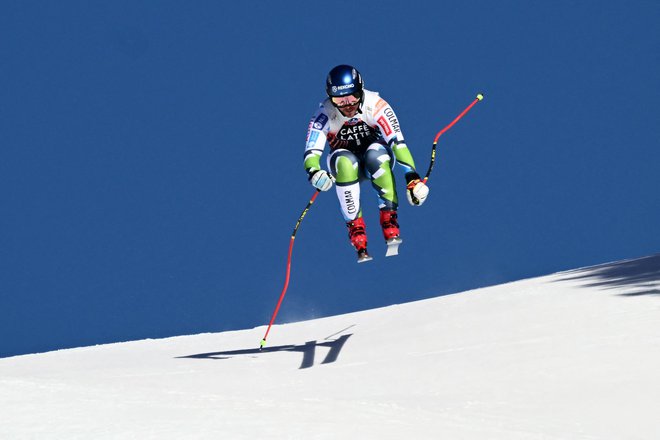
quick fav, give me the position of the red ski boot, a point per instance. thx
(390, 225)
(358, 236)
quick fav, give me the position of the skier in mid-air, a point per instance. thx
(365, 143)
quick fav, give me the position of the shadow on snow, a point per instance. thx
(308, 349)
(641, 276)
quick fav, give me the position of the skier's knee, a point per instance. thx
(375, 157)
(344, 166)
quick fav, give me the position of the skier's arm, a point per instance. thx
(386, 119)
(417, 191)
(314, 147)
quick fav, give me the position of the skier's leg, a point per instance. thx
(345, 167)
(379, 162)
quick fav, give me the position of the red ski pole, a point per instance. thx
(288, 267)
(479, 97)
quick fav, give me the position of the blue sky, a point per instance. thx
(152, 171)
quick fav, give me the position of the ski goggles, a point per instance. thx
(345, 101)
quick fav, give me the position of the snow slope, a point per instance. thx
(574, 355)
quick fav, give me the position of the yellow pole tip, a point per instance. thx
(480, 97)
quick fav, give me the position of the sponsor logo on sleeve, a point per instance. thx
(391, 117)
(320, 122)
(384, 125)
(313, 137)
(379, 105)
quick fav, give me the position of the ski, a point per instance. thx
(393, 246)
(363, 256)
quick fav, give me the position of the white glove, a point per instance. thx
(321, 180)
(417, 192)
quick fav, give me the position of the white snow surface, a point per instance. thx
(574, 355)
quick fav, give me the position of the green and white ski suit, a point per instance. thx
(366, 146)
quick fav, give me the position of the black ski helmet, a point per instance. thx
(344, 80)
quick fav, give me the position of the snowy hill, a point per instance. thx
(574, 355)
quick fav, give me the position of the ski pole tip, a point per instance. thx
(480, 96)
(262, 344)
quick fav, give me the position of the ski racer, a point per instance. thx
(365, 143)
